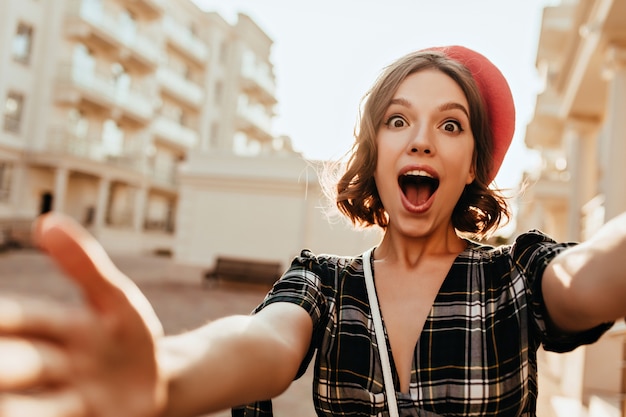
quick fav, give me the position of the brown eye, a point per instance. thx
(451, 126)
(396, 121)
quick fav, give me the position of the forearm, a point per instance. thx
(229, 362)
(591, 278)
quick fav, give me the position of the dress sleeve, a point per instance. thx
(531, 254)
(302, 284)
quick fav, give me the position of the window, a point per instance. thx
(186, 72)
(223, 52)
(22, 43)
(215, 131)
(13, 109)
(92, 9)
(128, 25)
(121, 80)
(78, 124)
(112, 138)
(217, 95)
(5, 180)
(191, 29)
(83, 61)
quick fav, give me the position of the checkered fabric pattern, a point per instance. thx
(476, 355)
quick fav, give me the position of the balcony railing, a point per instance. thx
(111, 30)
(175, 133)
(183, 89)
(255, 114)
(185, 40)
(163, 176)
(65, 143)
(90, 147)
(101, 88)
(153, 7)
(255, 75)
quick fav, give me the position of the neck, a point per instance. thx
(409, 251)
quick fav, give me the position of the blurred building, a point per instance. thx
(104, 100)
(579, 128)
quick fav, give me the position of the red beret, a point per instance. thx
(496, 94)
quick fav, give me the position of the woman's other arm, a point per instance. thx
(586, 285)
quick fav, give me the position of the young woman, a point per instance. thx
(461, 322)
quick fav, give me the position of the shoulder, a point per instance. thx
(528, 254)
(524, 245)
(308, 259)
(532, 251)
(326, 266)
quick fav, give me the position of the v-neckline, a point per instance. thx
(394, 371)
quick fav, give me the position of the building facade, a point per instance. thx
(579, 129)
(104, 99)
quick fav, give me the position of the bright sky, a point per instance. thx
(327, 53)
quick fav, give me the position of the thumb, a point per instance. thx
(84, 260)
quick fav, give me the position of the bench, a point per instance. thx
(244, 271)
(16, 233)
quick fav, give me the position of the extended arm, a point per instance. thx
(108, 358)
(235, 360)
(586, 285)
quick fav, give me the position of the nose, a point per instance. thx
(421, 142)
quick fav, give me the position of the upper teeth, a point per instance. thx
(419, 173)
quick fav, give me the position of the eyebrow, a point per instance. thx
(401, 101)
(454, 105)
(444, 107)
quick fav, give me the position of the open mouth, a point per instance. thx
(418, 186)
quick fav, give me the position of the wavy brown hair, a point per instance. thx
(480, 209)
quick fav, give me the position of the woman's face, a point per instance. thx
(425, 147)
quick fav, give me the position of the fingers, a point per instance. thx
(107, 289)
(26, 317)
(63, 403)
(27, 364)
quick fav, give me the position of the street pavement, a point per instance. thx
(176, 293)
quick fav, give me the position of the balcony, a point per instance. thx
(254, 121)
(259, 83)
(173, 133)
(545, 130)
(179, 87)
(557, 25)
(163, 177)
(76, 85)
(65, 143)
(102, 29)
(185, 41)
(92, 148)
(151, 8)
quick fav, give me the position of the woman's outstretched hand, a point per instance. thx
(98, 359)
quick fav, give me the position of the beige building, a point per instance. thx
(105, 100)
(579, 128)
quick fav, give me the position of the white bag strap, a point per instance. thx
(380, 334)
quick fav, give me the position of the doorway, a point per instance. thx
(46, 203)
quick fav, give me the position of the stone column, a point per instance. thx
(614, 138)
(582, 166)
(139, 210)
(61, 176)
(104, 188)
(18, 185)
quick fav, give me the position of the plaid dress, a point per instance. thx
(476, 355)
